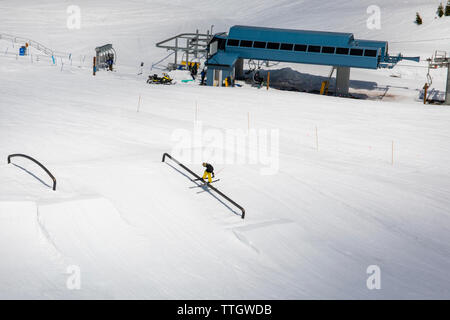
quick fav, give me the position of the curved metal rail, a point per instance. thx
(35, 161)
(210, 186)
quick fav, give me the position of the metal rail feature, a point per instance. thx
(209, 185)
(35, 161)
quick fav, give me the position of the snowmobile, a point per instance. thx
(165, 79)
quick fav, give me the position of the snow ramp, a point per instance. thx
(110, 254)
(120, 260)
(46, 242)
(29, 266)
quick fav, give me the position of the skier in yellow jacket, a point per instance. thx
(208, 172)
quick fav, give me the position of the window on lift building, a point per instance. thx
(356, 52)
(287, 46)
(259, 44)
(233, 42)
(342, 50)
(273, 45)
(329, 50)
(222, 44)
(300, 47)
(313, 48)
(246, 43)
(370, 53)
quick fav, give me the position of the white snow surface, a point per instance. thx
(137, 229)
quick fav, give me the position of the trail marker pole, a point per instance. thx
(196, 111)
(317, 139)
(139, 104)
(268, 80)
(392, 159)
(425, 91)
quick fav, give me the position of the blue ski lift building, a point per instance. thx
(339, 50)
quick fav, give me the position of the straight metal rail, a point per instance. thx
(210, 186)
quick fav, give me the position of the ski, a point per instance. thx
(193, 180)
(204, 183)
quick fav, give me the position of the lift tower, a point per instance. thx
(440, 60)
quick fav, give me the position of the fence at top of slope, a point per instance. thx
(38, 46)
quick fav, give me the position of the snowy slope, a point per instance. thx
(138, 228)
(133, 28)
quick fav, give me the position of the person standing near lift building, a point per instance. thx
(203, 75)
(209, 170)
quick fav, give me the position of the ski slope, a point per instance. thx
(138, 228)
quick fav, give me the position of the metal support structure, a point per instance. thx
(447, 91)
(196, 45)
(155, 64)
(440, 60)
(331, 73)
(176, 52)
(342, 81)
(35, 161)
(209, 186)
(239, 69)
(187, 53)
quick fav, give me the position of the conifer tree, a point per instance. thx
(440, 10)
(418, 19)
(447, 9)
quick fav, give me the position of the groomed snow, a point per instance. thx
(137, 228)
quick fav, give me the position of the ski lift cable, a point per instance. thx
(424, 40)
(429, 79)
(155, 64)
(410, 66)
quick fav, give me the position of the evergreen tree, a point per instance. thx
(418, 19)
(440, 10)
(447, 9)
